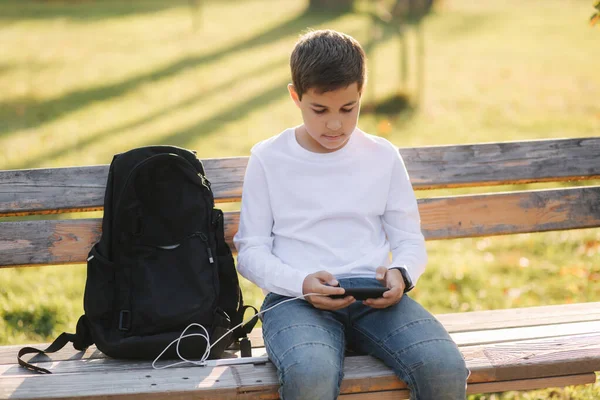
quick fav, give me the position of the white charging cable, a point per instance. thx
(202, 360)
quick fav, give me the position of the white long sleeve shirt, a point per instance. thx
(343, 212)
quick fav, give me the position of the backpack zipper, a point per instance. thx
(153, 158)
(204, 238)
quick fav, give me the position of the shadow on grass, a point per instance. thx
(182, 137)
(391, 106)
(83, 10)
(37, 113)
(35, 161)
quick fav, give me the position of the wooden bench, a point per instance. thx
(516, 349)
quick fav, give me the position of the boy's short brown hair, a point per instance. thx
(327, 60)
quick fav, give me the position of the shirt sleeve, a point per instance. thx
(402, 223)
(254, 239)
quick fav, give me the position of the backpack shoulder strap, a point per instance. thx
(81, 341)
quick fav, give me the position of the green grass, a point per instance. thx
(85, 80)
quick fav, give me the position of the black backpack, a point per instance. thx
(161, 264)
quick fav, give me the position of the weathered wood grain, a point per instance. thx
(509, 213)
(491, 326)
(56, 190)
(480, 336)
(486, 387)
(520, 317)
(68, 241)
(503, 163)
(482, 327)
(535, 359)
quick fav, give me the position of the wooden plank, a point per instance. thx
(520, 317)
(498, 335)
(509, 321)
(537, 359)
(513, 322)
(488, 387)
(46, 191)
(453, 322)
(504, 163)
(47, 242)
(509, 213)
(531, 332)
(74, 189)
(531, 384)
(472, 388)
(387, 395)
(490, 336)
(68, 241)
(534, 358)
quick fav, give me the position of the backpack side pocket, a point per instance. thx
(99, 293)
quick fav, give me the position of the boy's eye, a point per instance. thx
(324, 110)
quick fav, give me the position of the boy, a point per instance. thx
(324, 204)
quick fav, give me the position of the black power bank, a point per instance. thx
(362, 293)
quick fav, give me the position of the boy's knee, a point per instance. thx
(442, 377)
(312, 376)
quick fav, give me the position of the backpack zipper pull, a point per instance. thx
(204, 238)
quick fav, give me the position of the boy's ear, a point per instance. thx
(294, 94)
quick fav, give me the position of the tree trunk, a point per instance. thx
(331, 5)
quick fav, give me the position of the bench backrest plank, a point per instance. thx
(45, 191)
(25, 243)
(58, 190)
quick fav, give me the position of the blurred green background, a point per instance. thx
(83, 80)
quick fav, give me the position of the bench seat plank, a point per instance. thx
(573, 355)
(54, 190)
(499, 335)
(68, 241)
(483, 387)
(487, 387)
(520, 317)
(481, 326)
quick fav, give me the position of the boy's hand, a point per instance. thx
(318, 283)
(392, 279)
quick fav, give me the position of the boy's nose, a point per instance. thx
(334, 124)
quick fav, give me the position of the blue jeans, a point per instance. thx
(307, 346)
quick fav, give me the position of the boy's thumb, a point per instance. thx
(326, 277)
(380, 273)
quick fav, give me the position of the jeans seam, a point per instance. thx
(404, 350)
(408, 372)
(306, 345)
(270, 337)
(410, 324)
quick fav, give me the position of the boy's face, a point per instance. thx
(329, 118)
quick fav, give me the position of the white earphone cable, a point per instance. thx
(202, 361)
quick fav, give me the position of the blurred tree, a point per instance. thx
(397, 18)
(331, 5)
(196, 12)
